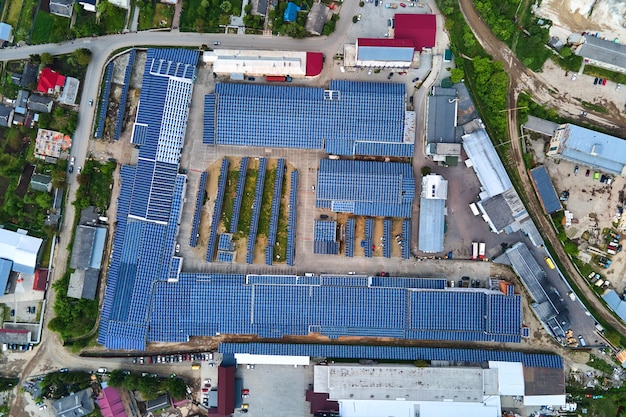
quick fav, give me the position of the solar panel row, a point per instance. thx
(387, 242)
(197, 214)
(256, 210)
(368, 242)
(225, 256)
(225, 242)
(325, 238)
(406, 239)
(291, 232)
(104, 100)
(241, 184)
(393, 353)
(122, 109)
(208, 132)
(276, 197)
(350, 228)
(217, 209)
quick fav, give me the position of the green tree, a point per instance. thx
(116, 378)
(226, 7)
(456, 75)
(355, 19)
(35, 59)
(82, 56)
(248, 8)
(46, 58)
(44, 200)
(566, 52)
(176, 387)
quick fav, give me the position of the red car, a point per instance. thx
(604, 82)
(402, 5)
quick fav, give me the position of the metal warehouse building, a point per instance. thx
(366, 188)
(261, 63)
(603, 53)
(432, 213)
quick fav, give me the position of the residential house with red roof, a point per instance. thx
(50, 81)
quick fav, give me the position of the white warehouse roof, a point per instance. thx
(248, 358)
(21, 249)
(486, 163)
(228, 61)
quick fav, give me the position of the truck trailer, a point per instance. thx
(481, 250)
(474, 250)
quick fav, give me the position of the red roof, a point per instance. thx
(41, 280)
(420, 28)
(20, 331)
(226, 390)
(387, 43)
(314, 63)
(49, 80)
(110, 403)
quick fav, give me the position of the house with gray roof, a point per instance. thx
(603, 53)
(6, 115)
(6, 32)
(587, 147)
(442, 142)
(21, 101)
(39, 104)
(316, 19)
(84, 283)
(77, 404)
(62, 7)
(40, 182)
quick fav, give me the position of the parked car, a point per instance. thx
(604, 81)
(415, 79)
(91, 103)
(587, 173)
(595, 81)
(576, 170)
(102, 370)
(618, 86)
(402, 5)
(217, 43)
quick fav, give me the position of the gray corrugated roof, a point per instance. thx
(603, 51)
(486, 162)
(75, 405)
(594, 149)
(39, 104)
(542, 126)
(385, 53)
(498, 211)
(62, 7)
(545, 188)
(441, 121)
(5, 272)
(19, 337)
(90, 284)
(83, 247)
(432, 213)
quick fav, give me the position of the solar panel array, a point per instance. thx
(343, 120)
(124, 96)
(225, 242)
(366, 188)
(208, 132)
(256, 210)
(368, 242)
(291, 230)
(276, 197)
(395, 353)
(225, 256)
(217, 209)
(350, 228)
(241, 185)
(399, 282)
(197, 214)
(387, 238)
(406, 239)
(104, 100)
(325, 238)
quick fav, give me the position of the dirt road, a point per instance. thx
(522, 79)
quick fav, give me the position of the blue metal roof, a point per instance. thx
(366, 188)
(385, 53)
(5, 272)
(98, 247)
(291, 12)
(545, 189)
(538, 360)
(615, 303)
(594, 149)
(343, 120)
(432, 223)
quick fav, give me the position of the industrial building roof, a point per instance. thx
(110, 403)
(5, 31)
(346, 119)
(76, 404)
(432, 213)
(366, 188)
(545, 189)
(615, 303)
(603, 50)
(441, 116)
(374, 49)
(18, 336)
(83, 247)
(545, 127)
(486, 163)
(5, 273)
(593, 149)
(21, 249)
(498, 211)
(420, 28)
(228, 61)
(396, 353)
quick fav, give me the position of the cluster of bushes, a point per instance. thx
(150, 386)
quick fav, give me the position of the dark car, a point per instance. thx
(71, 169)
(595, 81)
(390, 75)
(587, 173)
(251, 78)
(415, 79)
(376, 3)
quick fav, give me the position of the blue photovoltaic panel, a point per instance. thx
(545, 189)
(366, 188)
(225, 256)
(447, 310)
(104, 100)
(272, 279)
(241, 183)
(325, 238)
(208, 134)
(312, 118)
(344, 281)
(387, 224)
(368, 242)
(193, 240)
(397, 282)
(405, 150)
(225, 242)
(396, 353)
(217, 209)
(291, 231)
(122, 109)
(350, 227)
(256, 210)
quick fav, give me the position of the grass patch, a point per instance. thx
(245, 216)
(95, 182)
(567, 60)
(205, 15)
(73, 317)
(86, 24)
(593, 107)
(163, 15)
(600, 364)
(280, 249)
(13, 15)
(265, 216)
(45, 253)
(25, 21)
(229, 200)
(112, 18)
(146, 16)
(50, 28)
(604, 73)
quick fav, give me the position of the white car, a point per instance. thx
(102, 370)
